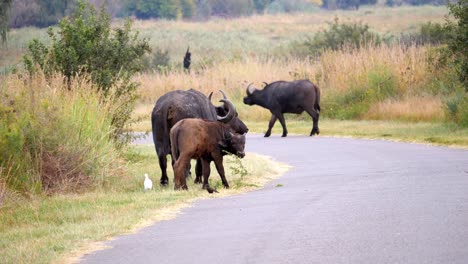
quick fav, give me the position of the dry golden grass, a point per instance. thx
(428, 108)
(407, 68)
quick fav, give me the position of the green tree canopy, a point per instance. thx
(4, 15)
(458, 39)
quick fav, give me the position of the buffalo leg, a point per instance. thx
(315, 118)
(163, 164)
(218, 160)
(270, 125)
(198, 171)
(206, 174)
(180, 166)
(283, 124)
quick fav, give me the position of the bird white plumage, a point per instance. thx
(148, 183)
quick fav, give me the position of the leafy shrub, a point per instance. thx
(340, 35)
(290, 6)
(355, 101)
(145, 9)
(458, 39)
(159, 60)
(86, 45)
(429, 33)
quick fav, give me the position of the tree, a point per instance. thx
(85, 45)
(146, 9)
(188, 8)
(4, 15)
(458, 39)
(261, 5)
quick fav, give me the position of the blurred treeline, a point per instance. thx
(43, 13)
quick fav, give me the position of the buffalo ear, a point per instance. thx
(227, 137)
(223, 143)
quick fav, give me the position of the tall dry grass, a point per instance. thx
(414, 109)
(54, 139)
(405, 72)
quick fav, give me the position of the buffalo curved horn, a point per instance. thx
(250, 89)
(209, 96)
(266, 84)
(231, 111)
(224, 95)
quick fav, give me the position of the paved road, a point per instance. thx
(345, 201)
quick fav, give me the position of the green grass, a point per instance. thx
(55, 228)
(422, 132)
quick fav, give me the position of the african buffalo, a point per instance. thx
(287, 97)
(206, 140)
(177, 105)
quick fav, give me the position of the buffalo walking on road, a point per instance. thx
(287, 97)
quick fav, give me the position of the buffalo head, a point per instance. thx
(227, 114)
(252, 94)
(233, 143)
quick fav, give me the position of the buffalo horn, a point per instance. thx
(209, 96)
(250, 89)
(224, 95)
(231, 111)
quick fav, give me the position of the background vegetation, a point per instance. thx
(67, 93)
(43, 13)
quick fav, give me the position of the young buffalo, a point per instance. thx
(206, 140)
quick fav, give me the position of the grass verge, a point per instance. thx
(437, 133)
(59, 228)
(444, 134)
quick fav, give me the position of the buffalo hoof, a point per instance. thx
(209, 189)
(183, 187)
(267, 134)
(314, 132)
(164, 182)
(197, 181)
(284, 135)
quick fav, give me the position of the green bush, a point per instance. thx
(340, 35)
(85, 45)
(146, 9)
(458, 39)
(356, 101)
(290, 6)
(159, 60)
(428, 33)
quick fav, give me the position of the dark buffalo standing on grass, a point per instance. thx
(204, 140)
(287, 97)
(177, 105)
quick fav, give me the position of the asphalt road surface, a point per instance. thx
(344, 201)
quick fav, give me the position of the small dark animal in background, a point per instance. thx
(287, 97)
(187, 59)
(193, 138)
